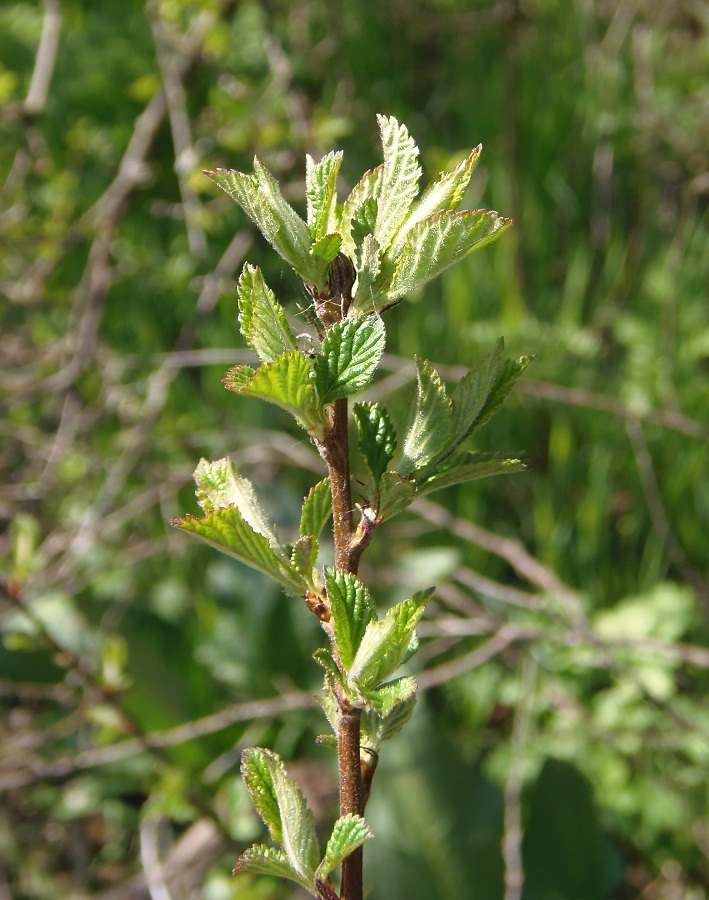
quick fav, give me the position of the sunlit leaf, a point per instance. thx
(366, 295)
(281, 805)
(348, 833)
(349, 357)
(367, 187)
(327, 247)
(395, 494)
(377, 728)
(469, 467)
(400, 178)
(317, 509)
(304, 557)
(320, 181)
(263, 322)
(429, 422)
(385, 698)
(262, 860)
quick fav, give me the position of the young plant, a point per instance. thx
(357, 259)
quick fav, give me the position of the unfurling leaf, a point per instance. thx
(220, 486)
(262, 860)
(429, 423)
(368, 187)
(368, 264)
(376, 729)
(320, 180)
(349, 357)
(280, 803)
(263, 322)
(385, 642)
(317, 509)
(288, 382)
(227, 530)
(386, 697)
(396, 494)
(327, 248)
(400, 178)
(304, 557)
(352, 609)
(348, 833)
(377, 438)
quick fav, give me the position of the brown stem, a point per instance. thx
(335, 451)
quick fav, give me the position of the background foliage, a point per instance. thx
(561, 742)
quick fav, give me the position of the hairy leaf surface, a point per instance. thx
(429, 423)
(349, 357)
(262, 320)
(348, 833)
(317, 509)
(377, 438)
(352, 609)
(320, 180)
(400, 178)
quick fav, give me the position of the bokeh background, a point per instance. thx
(560, 747)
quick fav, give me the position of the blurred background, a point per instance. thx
(560, 746)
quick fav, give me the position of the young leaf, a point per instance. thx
(348, 833)
(376, 729)
(333, 676)
(471, 392)
(395, 494)
(367, 187)
(287, 382)
(366, 296)
(320, 179)
(386, 642)
(282, 806)
(228, 531)
(444, 194)
(220, 486)
(377, 438)
(261, 199)
(385, 698)
(262, 320)
(469, 467)
(505, 379)
(262, 860)
(364, 220)
(317, 509)
(400, 178)
(327, 247)
(304, 557)
(438, 242)
(352, 610)
(349, 357)
(429, 423)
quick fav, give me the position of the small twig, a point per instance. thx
(45, 59)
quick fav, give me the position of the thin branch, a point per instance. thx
(506, 636)
(45, 59)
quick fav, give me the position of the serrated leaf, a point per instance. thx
(368, 186)
(400, 178)
(320, 181)
(438, 242)
(327, 247)
(262, 860)
(444, 194)
(333, 676)
(317, 509)
(377, 438)
(364, 220)
(386, 642)
(387, 697)
(469, 467)
(228, 531)
(304, 557)
(505, 380)
(261, 199)
(349, 357)
(366, 295)
(262, 320)
(238, 377)
(471, 392)
(352, 609)
(349, 832)
(281, 804)
(376, 729)
(288, 382)
(429, 423)
(396, 494)
(220, 486)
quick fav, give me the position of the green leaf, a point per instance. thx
(505, 380)
(288, 382)
(429, 422)
(320, 181)
(436, 243)
(367, 187)
(228, 531)
(327, 248)
(262, 320)
(333, 676)
(348, 833)
(444, 194)
(304, 557)
(282, 806)
(386, 642)
(220, 486)
(387, 697)
(349, 357)
(376, 728)
(400, 178)
(352, 609)
(317, 509)
(364, 220)
(366, 296)
(261, 199)
(395, 494)
(469, 467)
(471, 392)
(377, 438)
(262, 860)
